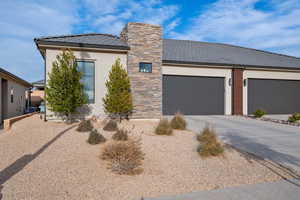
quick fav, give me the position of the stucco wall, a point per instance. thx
(265, 74)
(17, 107)
(103, 63)
(204, 71)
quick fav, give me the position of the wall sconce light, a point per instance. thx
(230, 82)
(245, 82)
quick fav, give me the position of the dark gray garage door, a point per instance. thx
(193, 95)
(274, 96)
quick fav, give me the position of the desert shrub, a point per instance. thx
(85, 126)
(125, 157)
(209, 144)
(163, 128)
(121, 134)
(206, 135)
(111, 125)
(95, 137)
(259, 113)
(294, 117)
(178, 122)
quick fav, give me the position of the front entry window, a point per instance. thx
(87, 68)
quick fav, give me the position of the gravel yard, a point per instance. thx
(51, 160)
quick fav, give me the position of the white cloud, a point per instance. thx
(240, 22)
(112, 19)
(20, 22)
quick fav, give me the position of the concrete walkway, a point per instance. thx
(277, 142)
(281, 190)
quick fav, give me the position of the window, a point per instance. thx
(11, 95)
(146, 67)
(87, 68)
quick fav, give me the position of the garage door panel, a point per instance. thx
(193, 95)
(274, 96)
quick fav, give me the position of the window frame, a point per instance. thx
(94, 79)
(140, 63)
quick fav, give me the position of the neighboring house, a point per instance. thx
(37, 93)
(14, 93)
(195, 78)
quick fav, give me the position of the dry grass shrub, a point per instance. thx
(178, 122)
(163, 128)
(120, 135)
(124, 157)
(209, 144)
(111, 125)
(95, 137)
(85, 126)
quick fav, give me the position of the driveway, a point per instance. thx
(276, 142)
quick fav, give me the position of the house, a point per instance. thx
(14, 95)
(37, 93)
(195, 78)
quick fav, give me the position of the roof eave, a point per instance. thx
(245, 66)
(83, 45)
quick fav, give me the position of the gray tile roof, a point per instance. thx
(14, 77)
(184, 51)
(85, 40)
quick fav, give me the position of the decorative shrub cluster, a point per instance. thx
(111, 125)
(120, 135)
(209, 144)
(294, 117)
(178, 122)
(85, 126)
(164, 128)
(259, 113)
(125, 157)
(95, 137)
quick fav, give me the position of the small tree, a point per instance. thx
(64, 91)
(118, 100)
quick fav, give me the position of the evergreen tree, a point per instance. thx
(118, 100)
(64, 91)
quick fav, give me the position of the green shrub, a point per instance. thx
(120, 135)
(125, 157)
(178, 122)
(85, 126)
(111, 125)
(163, 128)
(294, 117)
(259, 113)
(209, 144)
(95, 137)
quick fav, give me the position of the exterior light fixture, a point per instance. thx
(245, 82)
(230, 81)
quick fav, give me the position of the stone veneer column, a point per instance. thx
(237, 92)
(145, 42)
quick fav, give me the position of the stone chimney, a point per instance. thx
(145, 42)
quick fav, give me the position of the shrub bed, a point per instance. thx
(111, 125)
(259, 113)
(178, 122)
(163, 128)
(95, 137)
(85, 126)
(209, 144)
(120, 135)
(125, 157)
(295, 117)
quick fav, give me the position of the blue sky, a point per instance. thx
(272, 25)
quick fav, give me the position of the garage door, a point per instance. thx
(193, 95)
(274, 96)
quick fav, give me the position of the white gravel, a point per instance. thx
(70, 168)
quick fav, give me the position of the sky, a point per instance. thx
(272, 25)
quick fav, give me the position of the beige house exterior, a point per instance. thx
(192, 77)
(14, 92)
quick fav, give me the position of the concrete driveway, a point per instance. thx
(276, 142)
